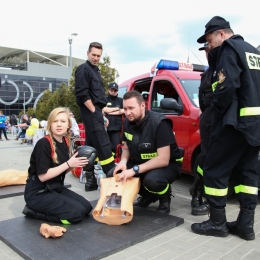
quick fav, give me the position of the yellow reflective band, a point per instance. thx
(214, 86)
(161, 192)
(250, 111)
(246, 189)
(65, 222)
(113, 153)
(215, 192)
(199, 170)
(107, 161)
(128, 136)
(179, 159)
(109, 103)
(148, 155)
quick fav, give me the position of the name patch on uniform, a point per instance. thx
(253, 61)
(148, 155)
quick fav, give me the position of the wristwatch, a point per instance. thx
(136, 169)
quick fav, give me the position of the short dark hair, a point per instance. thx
(134, 94)
(95, 45)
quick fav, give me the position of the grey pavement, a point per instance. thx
(176, 243)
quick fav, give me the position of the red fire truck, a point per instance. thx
(178, 81)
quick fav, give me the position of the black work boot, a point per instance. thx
(91, 183)
(215, 226)
(196, 191)
(145, 200)
(203, 209)
(28, 212)
(165, 202)
(244, 225)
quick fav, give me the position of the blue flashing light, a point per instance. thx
(175, 65)
(168, 65)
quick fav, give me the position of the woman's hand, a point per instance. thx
(77, 161)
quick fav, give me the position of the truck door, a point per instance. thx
(164, 88)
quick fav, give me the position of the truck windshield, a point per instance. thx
(191, 87)
(122, 91)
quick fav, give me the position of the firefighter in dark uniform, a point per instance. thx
(113, 112)
(200, 207)
(150, 152)
(90, 96)
(52, 157)
(235, 139)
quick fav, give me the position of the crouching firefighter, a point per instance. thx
(150, 153)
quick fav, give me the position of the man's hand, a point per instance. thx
(106, 122)
(124, 175)
(119, 168)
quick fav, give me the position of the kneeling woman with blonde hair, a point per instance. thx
(45, 195)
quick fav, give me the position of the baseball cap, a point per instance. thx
(216, 23)
(113, 85)
(205, 46)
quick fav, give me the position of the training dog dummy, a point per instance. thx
(115, 206)
(51, 231)
(12, 177)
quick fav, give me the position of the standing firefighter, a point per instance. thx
(90, 96)
(200, 207)
(234, 140)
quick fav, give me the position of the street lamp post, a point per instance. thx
(24, 102)
(70, 42)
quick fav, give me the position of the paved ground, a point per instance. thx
(177, 243)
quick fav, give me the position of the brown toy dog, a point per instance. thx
(51, 231)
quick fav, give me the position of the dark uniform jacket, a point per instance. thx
(237, 94)
(140, 138)
(205, 89)
(89, 85)
(115, 121)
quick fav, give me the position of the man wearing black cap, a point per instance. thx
(235, 139)
(114, 111)
(90, 96)
(199, 207)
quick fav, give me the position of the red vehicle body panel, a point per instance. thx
(185, 126)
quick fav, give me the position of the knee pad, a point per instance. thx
(89, 152)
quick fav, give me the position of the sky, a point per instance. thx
(135, 34)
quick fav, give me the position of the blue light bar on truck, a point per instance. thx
(175, 65)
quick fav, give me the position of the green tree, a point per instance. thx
(107, 73)
(65, 95)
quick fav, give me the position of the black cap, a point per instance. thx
(113, 85)
(204, 47)
(216, 23)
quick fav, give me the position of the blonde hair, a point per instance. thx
(51, 119)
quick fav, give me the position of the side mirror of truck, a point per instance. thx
(171, 104)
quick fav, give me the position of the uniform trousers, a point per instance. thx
(57, 206)
(97, 137)
(114, 137)
(229, 151)
(205, 124)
